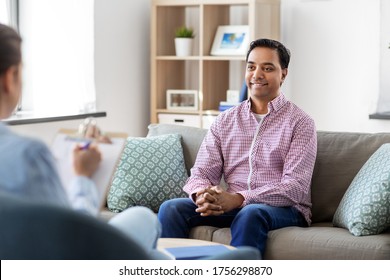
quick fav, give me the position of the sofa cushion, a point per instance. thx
(365, 207)
(151, 170)
(340, 155)
(321, 241)
(192, 138)
(324, 242)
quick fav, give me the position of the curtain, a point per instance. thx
(9, 12)
(384, 81)
(58, 50)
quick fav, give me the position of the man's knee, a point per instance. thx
(173, 217)
(176, 205)
(253, 212)
(165, 206)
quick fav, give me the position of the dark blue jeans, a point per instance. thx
(249, 225)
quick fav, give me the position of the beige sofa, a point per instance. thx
(340, 156)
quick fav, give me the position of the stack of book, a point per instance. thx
(224, 105)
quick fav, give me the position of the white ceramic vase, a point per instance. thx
(183, 46)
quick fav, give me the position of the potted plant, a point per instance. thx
(183, 41)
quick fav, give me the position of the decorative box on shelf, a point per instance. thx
(180, 119)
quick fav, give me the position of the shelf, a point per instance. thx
(210, 113)
(211, 76)
(181, 112)
(173, 57)
(228, 58)
(197, 58)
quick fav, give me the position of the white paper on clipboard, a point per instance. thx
(62, 149)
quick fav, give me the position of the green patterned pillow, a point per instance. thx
(150, 171)
(365, 207)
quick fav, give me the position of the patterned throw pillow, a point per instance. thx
(151, 170)
(365, 207)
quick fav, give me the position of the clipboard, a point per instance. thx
(62, 149)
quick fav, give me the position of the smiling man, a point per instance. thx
(265, 148)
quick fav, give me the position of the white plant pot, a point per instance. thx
(183, 46)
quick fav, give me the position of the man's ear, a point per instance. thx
(284, 73)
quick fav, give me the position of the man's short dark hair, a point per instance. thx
(283, 52)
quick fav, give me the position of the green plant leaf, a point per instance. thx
(184, 32)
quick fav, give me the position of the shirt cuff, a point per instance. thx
(244, 203)
(83, 195)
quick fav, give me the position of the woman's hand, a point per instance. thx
(86, 160)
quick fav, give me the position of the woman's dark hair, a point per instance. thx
(283, 52)
(10, 52)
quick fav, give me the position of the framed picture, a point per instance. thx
(231, 40)
(181, 99)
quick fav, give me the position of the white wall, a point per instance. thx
(122, 54)
(121, 70)
(334, 70)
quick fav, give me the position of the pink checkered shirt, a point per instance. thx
(270, 162)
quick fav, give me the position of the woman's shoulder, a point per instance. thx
(22, 155)
(25, 145)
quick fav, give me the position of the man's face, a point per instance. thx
(264, 74)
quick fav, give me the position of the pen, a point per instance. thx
(86, 146)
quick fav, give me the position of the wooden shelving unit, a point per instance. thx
(210, 75)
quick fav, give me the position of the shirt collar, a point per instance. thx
(277, 103)
(274, 105)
